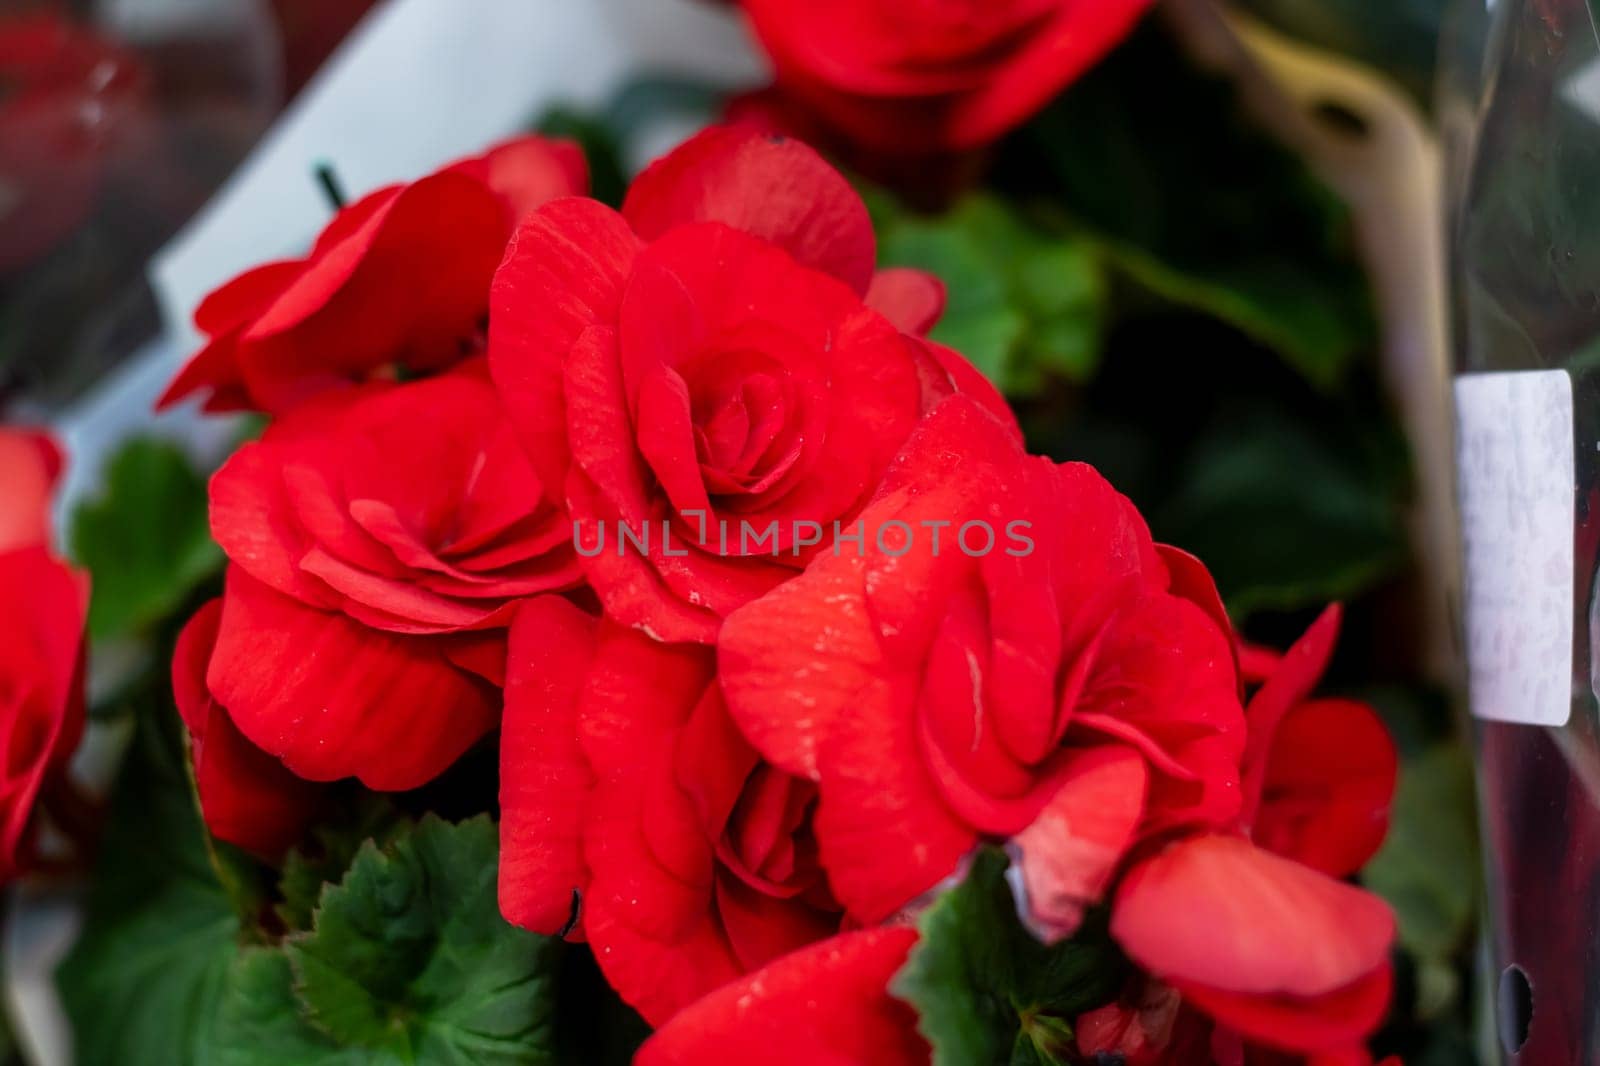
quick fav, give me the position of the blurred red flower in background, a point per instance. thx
(932, 75)
(65, 94)
(43, 604)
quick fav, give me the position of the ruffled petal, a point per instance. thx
(913, 300)
(825, 1005)
(765, 185)
(247, 797)
(333, 698)
(563, 272)
(544, 779)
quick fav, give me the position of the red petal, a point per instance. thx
(1297, 674)
(222, 316)
(1192, 581)
(254, 520)
(1080, 36)
(409, 286)
(41, 684)
(563, 272)
(785, 693)
(911, 299)
(657, 977)
(825, 1005)
(760, 928)
(946, 372)
(528, 172)
(30, 462)
(1219, 912)
(333, 698)
(1330, 778)
(768, 186)
(544, 778)
(644, 841)
(247, 797)
(1073, 848)
(608, 488)
(1325, 1023)
(885, 835)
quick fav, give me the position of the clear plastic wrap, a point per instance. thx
(1520, 106)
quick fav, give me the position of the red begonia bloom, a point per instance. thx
(247, 797)
(72, 98)
(932, 75)
(824, 1005)
(626, 789)
(1257, 933)
(399, 279)
(43, 604)
(705, 363)
(381, 538)
(1060, 696)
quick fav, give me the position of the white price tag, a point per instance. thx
(1516, 483)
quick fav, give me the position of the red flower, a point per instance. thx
(1319, 774)
(702, 369)
(43, 604)
(247, 797)
(931, 76)
(824, 1005)
(399, 278)
(69, 99)
(625, 785)
(381, 538)
(1058, 694)
(30, 463)
(1283, 955)
(1260, 936)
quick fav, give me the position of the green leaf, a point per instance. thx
(608, 179)
(145, 540)
(328, 851)
(987, 991)
(1023, 299)
(1428, 867)
(1289, 513)
(409, 955)
(143, 981)
(261, 1023)
(1191, 201)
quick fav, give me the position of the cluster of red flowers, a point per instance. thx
(736, 770)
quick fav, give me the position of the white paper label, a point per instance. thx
(1516, 483)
